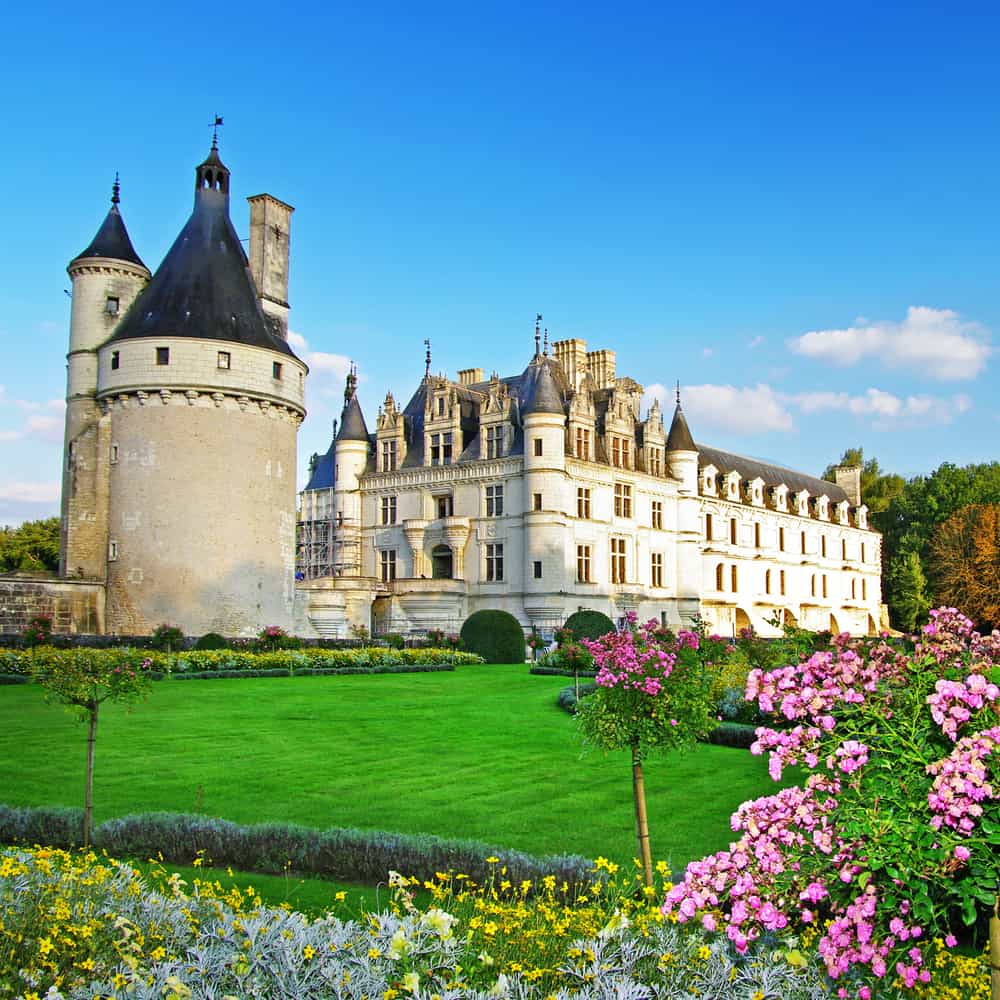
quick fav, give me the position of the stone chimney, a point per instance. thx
(848, 478)
(468, 376)
(601, 365)
(270, 233)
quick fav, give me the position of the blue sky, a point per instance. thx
(792, 211)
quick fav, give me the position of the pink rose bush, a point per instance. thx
(894, 833)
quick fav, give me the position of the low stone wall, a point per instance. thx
(73, 605)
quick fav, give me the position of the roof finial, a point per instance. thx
(215, 131)
(545, 350)
(538, 334)
(115, 188)
(352, 381)
(678, 392)
(427, 359)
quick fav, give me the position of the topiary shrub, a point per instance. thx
(166, 638)
(589, 624)
(495, 635)
(211, 640)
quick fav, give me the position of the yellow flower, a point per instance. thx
(308, 952)
(45, 946)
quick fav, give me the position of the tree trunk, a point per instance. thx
(641, 824)
(995, 951)
(88, 807)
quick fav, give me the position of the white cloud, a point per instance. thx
(11, 435)
(936, 342)
(327, 372)
(755, 343)
(297, 341)
(33, 406)
(25, 492)
(707, 352)
(739, 410)
(887, 410)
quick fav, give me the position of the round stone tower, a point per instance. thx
(202, 398)
(106, 277)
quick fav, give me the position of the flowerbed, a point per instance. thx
(80, 926)
(288, 661)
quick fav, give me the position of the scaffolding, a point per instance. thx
(327, 548)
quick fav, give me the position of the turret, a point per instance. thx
(351, 449)
(681, 451)
(107, 277)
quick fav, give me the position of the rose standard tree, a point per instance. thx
(894, 837)
(84, 679)
(652, 694)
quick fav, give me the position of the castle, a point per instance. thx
(549, 491)
(539, 493)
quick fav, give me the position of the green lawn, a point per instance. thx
(482, 752)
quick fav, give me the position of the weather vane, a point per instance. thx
(215, 130)
(427, 359)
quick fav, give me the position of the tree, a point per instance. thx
(33, 546)
(965, 560)
(653, 692)
(83, 679)
(907, 591)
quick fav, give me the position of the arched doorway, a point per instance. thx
(441, 562)
(835, 628)
(789, 619)
(872, 626)
(742, 621)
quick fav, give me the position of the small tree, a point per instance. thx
(38, 632)
(652, 693)
(908, 591)
(166, 638)
(83, 679)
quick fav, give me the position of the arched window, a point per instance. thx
(767, 581)
(719, 578)
(441, 562)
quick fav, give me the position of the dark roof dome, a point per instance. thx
(679, 438)
(322, 470)
(112, 239)
(203, 288)
(352, 420)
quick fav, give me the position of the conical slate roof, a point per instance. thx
(679, 438)
(352, 420)
(543, 393)
(203, 288)
(112, 239)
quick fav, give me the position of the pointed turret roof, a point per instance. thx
(203, 288)
(544, 394)
(352, 420)
(679, 438)
(112, 239)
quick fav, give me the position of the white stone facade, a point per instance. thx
(586, 507)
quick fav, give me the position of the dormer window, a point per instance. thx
(276, 369)
(440, 406)
(111, 305)
(733, 486)
(494, 441)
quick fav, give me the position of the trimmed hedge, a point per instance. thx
(544, 670)
(337, 854)
(567, 696)
(589, 624)
(211, 640)
(496, 636)
(733, 734)
(243, 662)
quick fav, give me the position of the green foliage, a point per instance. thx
(394, 640)
(496, 636)
(589, 624)
(82, 679)
(232, 662)
(733, 734)
(33, 546)
(38, 632)
(907, 591)
(568, 658)
(166, 638)
(275, 637)
(211, 640)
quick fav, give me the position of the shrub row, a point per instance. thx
(733, 734)
(286, 661)
(274, 848)
(390, 668)
(545, 670)
(568, 699)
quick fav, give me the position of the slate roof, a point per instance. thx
(679, 438)
(773, 475)
(112, 239)
(352, 422)
(203, 288)
(323, 471)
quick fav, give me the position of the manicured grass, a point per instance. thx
(482, 753)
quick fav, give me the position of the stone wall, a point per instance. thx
(75, 606)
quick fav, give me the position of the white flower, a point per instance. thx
(439, 922)
(398, 946)
(411, 982)
(617, 923)
(501, 987)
